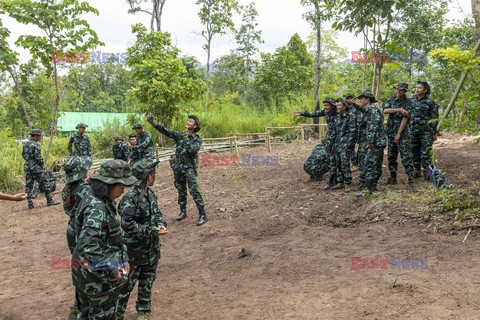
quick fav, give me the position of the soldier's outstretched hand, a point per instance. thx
(163, 231)
(297, 113)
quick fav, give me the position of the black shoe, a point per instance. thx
(30, 204)
(417, 174)
(202, 217)
(392, 181)
(183, 213)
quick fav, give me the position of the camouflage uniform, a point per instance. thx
(423, 126)
(34, 166)
(99, 240)
(329, 137)
(317, 163)
(355, 111)
(183, 166)
(371, 132)
(344, 144)
(405, 144)
(141, 219)
(143, 149)
(75, 169)
(81, 145)
(120, 151)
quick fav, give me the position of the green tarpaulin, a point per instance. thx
(67, 121)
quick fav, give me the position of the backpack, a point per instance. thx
(436, 177)
(50, 182)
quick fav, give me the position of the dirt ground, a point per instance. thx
(299, 242)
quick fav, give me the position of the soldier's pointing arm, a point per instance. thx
(167, 132)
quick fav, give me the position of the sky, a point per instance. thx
(278, 20)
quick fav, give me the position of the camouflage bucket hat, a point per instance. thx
(137, 126)
(345, 103)
(196, 121)
(366, 94)
(349, 96)
(402, 86)
(81, 125)
(329, 100)
(118, 138)
(76, 167)
(36, 132)
(115, 171)
(141, 167)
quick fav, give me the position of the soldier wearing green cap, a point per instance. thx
(399, 109)
(372, 141)
(143, 148)
(80, 142)
(423, 126)
(329, 112)
(99, 241)
(344, 134)
(35, 168)
(76, 188)
(184, 168)
(119, 149)
(142, 224)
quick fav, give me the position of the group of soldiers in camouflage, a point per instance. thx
(110, 255)
(410, 131)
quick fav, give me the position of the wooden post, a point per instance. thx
(156, 151)
(236, 146)
(231, 144)
(302, 133)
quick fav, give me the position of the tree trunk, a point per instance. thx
(13, 73)
(208, 75)
(476, 17)
(318, 72)
(55, 112)
(365, 41)
(410, 69)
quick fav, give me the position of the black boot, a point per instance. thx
(393, 178)
(202, 217)
(410, 182)
(372, 186)
(183, 213)
(30, 204)
(417, 173)
(50, 201)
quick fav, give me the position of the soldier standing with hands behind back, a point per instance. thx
(80, 142)
(35, 168)
(184, 168)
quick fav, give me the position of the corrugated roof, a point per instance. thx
(67, 121)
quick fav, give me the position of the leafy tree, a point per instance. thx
(64, 30)
(216, 16)
(247, 36)
(162, 78)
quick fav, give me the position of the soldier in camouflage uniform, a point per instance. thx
(372, 141)
(99, 241)
(76, 169)
(188, 144)
(399, 109)
(345, 131)
(353, 108)
(424, 121)
(329, 112)
(119, 149)
(35, 168)
(317, 163)
(142, 224)
(80, 142)
(143, 148)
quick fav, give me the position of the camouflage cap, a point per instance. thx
(402, 86)
(141, 167)
(118, 138)
(76, 167)
(329, 100)
(366, 94)
(115, 171)
(81, 125)
(196, 121)
(343, 101)
(137, 126)
(36, 132)
(349, 96)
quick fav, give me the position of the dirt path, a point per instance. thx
(299, 240)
